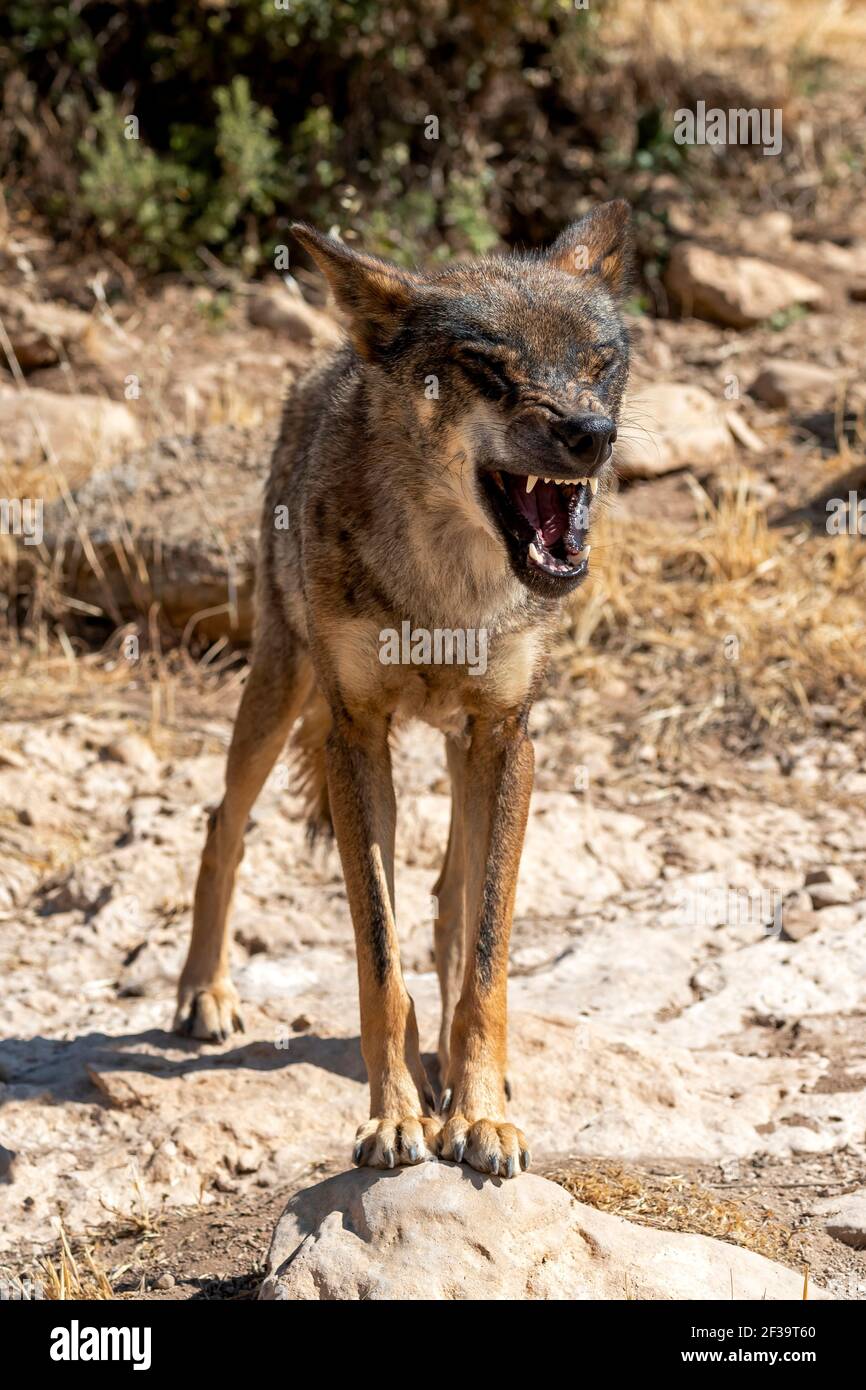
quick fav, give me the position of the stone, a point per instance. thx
(78, 428)
(845, 1218)
(831, 886)
(276, 308)
(441, 1232)
(737, 291)
(675, 426)
(133, 751)
(787, 385)
(42, 333)
(183, 515)
(798, 923)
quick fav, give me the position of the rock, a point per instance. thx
(675, 426)
(846, 260)
(183, 516)
(738, 291)
(831, 886)
(798, 923)
(42, 333)
(761, 234)
(276, 308)
(846, 1218)
(441, 1232)
(78, 428)
(795, 384)
(121, 1092)
(133, 751)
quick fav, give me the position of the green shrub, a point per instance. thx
(250, 115)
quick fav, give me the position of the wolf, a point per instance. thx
(440, 470)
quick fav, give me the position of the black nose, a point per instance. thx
(588, 437)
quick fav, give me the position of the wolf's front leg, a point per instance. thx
(401, 1128)
(498, 784)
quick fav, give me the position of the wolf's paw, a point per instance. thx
(385, 1143)
(491, 1146)
(211, 1013)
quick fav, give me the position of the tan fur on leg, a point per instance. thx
(276, 688)
(499, 771)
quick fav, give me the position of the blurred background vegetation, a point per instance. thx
(249, 113)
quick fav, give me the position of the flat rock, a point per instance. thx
(443, 1232)
(831, 886)
(672, 425)
(737, 291)
(174, 524)
(41, 332)
(785, 384)
(289, 315)
(78, 428)
(845, 1218)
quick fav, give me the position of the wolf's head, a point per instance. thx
(512, 370)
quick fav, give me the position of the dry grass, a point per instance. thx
(67, 1277)
(688, 32)
(676, 1203)
(726, 625)
(726, 622)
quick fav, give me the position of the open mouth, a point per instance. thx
(545, 520)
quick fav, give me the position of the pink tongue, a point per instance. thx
(542, 507)
(554, 516)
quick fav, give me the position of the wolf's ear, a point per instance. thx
(375, 295)
(599, 244)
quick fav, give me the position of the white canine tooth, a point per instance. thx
(593, 486)
(531, 480)
(535, 553)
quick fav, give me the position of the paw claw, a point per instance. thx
(493, 1147)
(390, 1143)
(210, 1013)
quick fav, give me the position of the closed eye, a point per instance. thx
(485, 370)
(607, 358)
